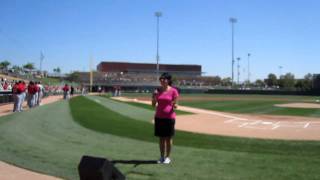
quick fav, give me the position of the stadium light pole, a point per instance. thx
(249, 68)
(158, 15)
(280, 71)
(238, 82)
(41, 60)
(232, 21)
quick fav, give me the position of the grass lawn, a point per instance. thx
(249, 104)
(51, 140)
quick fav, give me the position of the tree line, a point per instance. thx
(289, 82)
(5, 67)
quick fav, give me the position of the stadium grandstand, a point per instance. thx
(133, 76)
(150, 69)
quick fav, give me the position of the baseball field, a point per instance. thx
(217, 137)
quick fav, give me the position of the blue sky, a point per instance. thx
(70, 32)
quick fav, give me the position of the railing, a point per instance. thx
(6, 97)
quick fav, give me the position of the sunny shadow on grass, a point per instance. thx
(94, 116)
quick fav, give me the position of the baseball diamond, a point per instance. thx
(159, 90)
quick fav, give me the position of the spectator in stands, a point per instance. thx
(5, 85)
(65, 91)
(165, 100)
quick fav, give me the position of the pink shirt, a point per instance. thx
(165, 104)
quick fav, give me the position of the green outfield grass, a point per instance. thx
(51, 140)
(120, 125)
(249, 104)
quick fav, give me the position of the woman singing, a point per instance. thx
(165, 100)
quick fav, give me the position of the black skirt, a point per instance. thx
(164, 127)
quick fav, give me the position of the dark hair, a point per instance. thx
(166, 76)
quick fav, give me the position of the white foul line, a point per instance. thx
(275, 127)
(305, 126)
(244, 124)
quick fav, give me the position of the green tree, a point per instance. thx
(226, 81)
(4, 65)
(57, 70)
(287, 81)
(29, 66)
(271, 81)
(259, 83)
(306, 83)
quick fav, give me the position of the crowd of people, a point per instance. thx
(134, 78)
(69, 91)
(33, 92)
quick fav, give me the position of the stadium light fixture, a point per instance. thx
(280, 71)
(238, 80)
(158, 15)
(232, 21)
(41, 60)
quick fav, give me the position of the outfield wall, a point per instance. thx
(6, 97)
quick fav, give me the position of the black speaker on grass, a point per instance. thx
(96, 168)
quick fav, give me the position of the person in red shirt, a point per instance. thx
(5, 86)
(22, 89)
(31, 94)
(36, 94)
(15, 96)
(65, 91)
